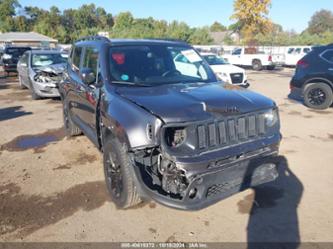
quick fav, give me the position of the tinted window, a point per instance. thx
(306, 50)
(16, 51)
(90, 59)
(328, 55)
(290, 50)
(77, 56)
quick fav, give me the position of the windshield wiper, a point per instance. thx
(130, 83)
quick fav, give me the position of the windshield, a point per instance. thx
(158, 64)
(215, 60)
(16, 51)
(41, 60)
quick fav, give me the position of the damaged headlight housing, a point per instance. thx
(271, 117)
(175, 136)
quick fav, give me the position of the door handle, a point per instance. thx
(330, 69)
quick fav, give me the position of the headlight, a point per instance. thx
(271, 117)
(7, 56)
(175, 137)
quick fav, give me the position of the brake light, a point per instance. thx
(270, 58)
(302, 64)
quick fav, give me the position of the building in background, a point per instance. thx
(30, 39)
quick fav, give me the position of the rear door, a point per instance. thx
(73, 85)
(327, 56)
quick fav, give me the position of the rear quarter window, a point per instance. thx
(328, 55)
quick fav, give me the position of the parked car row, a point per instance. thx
(168, 127)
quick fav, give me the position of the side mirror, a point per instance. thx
(88, 76)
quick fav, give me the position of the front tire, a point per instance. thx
(318, 96)
(34, 95)
(119, 174)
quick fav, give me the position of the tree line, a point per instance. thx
(250, 21)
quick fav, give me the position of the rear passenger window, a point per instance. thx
(306, 50)
(328, 55)
(90, 59)
(77, 57)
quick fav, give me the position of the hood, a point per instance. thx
(227, 68)
(54, 69)
(194, 102)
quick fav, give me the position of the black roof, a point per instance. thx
(117, 42)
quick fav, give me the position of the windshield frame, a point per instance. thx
(211, 78)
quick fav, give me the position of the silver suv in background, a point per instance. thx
(41, 71)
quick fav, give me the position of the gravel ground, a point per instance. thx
(57, 193)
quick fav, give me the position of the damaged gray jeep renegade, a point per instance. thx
(168, 129)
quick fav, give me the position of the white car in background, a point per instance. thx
(294, 54)
(226, 71)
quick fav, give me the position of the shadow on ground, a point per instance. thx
(273, 215)
(25, 214)
(12, 112)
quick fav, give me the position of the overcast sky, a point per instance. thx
(291, 14)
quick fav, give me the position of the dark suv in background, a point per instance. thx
(168, 132)
(313, 79)
(11, 56)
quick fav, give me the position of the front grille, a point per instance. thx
(230, 131)
(236, 78)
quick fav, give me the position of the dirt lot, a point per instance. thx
(57, 193)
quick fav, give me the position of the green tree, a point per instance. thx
(217, 27)
(7, 13)
(200, 36)
(321, 22)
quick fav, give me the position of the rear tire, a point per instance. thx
(71, 129)
(119, 174)
(318, 96)
(256, 65)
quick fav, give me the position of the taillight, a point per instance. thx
(270, 58)
(302, 64)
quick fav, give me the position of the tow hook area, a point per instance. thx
(161, 174)
(173, 179)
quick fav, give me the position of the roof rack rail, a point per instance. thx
(168, 39)
(93, 38)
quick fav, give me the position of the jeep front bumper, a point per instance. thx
(213, 177)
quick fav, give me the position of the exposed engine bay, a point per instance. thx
(50, 74)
